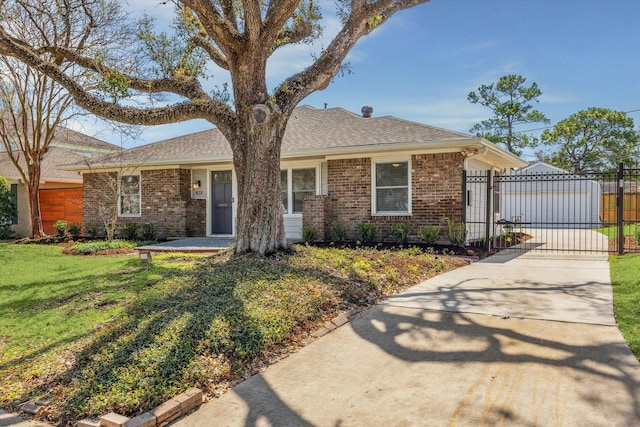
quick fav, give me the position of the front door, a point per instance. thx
(222, 211)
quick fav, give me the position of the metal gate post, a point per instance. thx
(464, 197)
(489, 210)
(620, 203)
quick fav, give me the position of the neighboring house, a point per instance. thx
(335, 166)
(60, 190)
(544, 196)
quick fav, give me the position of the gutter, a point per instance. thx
(482, 153)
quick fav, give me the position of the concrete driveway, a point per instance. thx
(515, 340)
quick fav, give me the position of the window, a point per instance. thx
(130, 195)
(496, 197)
(295, 185)
(303, 184)
(391, 181)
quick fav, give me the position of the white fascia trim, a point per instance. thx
(454, 146)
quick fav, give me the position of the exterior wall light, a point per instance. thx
(197, 184)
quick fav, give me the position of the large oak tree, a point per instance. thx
(238, 36)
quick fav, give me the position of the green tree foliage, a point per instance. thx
(592, 139)
(7, 209)
(510, 100)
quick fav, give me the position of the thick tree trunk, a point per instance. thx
(260, 225)
(33, 187)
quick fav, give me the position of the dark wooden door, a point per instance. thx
(222, 203)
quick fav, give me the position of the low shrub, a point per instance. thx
(309, 233)
(456, 233)
(130, 231)
(75, 229)
(61, 227)
(368, 233)
(400, 233)
(93, 247)
(149, 231)
(338, 231)
(429, 234)
(92, 230)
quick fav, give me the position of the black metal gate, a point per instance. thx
(547, 209)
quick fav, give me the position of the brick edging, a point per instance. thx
(161, 416)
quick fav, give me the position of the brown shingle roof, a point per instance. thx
(52, 159)
(65, 135)
(309, 129)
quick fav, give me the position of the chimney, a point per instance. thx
(366, 111)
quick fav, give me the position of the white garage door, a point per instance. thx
(549, 209)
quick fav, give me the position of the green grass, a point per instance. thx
(625, 276)
(100, 334)
(612, 232)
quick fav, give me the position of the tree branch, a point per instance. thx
(224, 32)
(187, 87)
(200, 107)
(216, 56)
(252, 19)
(363, 19)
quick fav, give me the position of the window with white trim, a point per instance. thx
(130, 200)
(296, 184)
(391, 182)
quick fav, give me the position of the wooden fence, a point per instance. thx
(631, 207)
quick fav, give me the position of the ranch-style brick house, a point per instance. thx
(335, 166)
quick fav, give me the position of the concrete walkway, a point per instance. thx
(191, 244)
(514, 340)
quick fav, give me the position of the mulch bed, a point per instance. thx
(474, 250)
(630, 245)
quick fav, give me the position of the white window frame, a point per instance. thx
(374, 188)
(129, 215)
(290, 168)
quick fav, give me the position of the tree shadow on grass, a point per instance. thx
(78, 293)
(161, 344)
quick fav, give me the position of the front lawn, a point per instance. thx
(612, 232)
(96, 334)
(626, 297)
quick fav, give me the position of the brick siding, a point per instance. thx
(436, 181)
(166, 202)
(314, 208)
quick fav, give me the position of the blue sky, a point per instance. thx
(423, 62)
